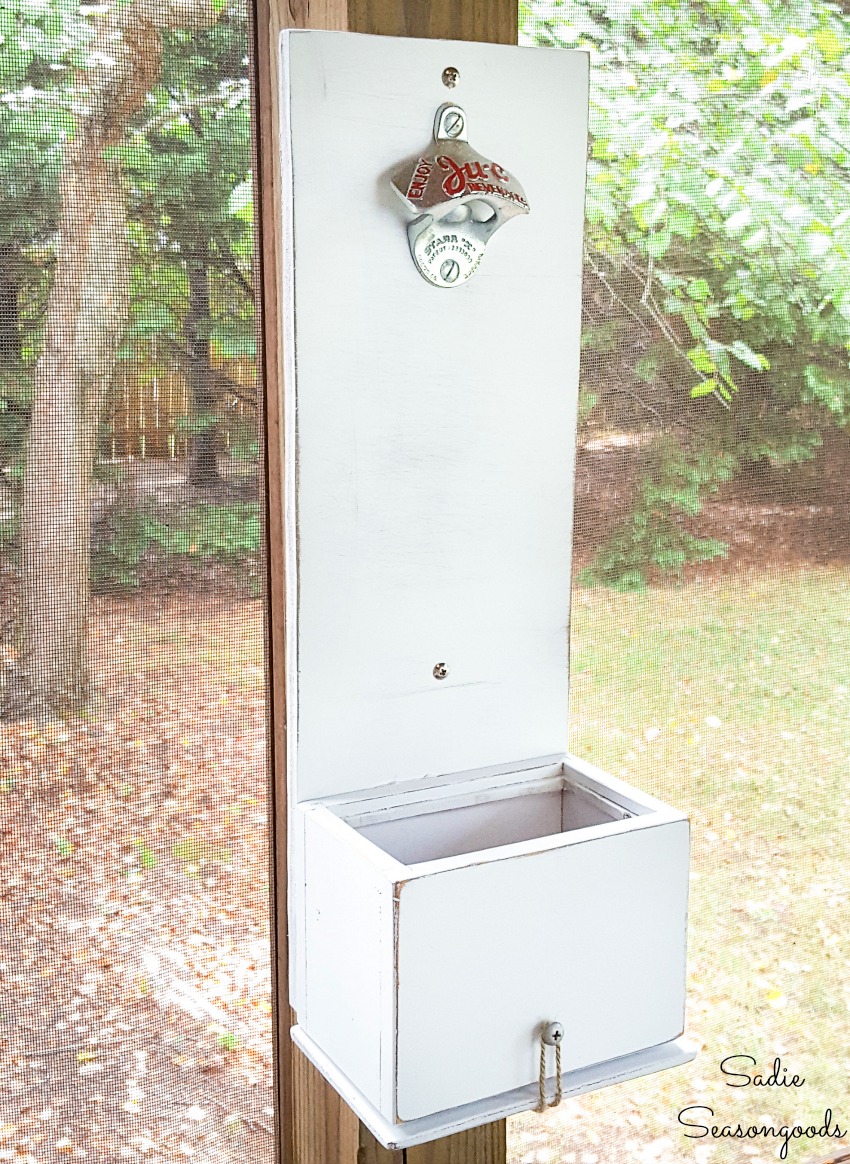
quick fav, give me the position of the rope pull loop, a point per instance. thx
(552, 1035)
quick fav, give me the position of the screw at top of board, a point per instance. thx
(450, 77)
(440, 671)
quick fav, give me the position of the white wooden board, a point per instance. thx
(429, 457)
(591, 934)
(431, 431)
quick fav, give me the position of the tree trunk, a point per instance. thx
(85, 318)
(203, 459)
(86, 315)
(10, 287)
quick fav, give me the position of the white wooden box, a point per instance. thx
(456, 878)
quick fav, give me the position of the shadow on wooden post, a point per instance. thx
(480, 1146)
(315, 1126)
(324, 1127)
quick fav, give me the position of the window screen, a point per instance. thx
(710, 627)
(710, 624)
(134, 931)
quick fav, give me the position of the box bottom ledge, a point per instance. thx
(472, 1115)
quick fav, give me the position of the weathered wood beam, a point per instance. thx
(315, 1126)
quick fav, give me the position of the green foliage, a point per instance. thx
(43, 53)
(188, 164)
(41, 44)
(15, 399)
(829, 391)
(653, 538)
(189, 168)
(719, 167)
(116, 560)
(187, 161)
(650, 540)
(587, 401)
(717, 230)
(135, 539)
(195, 850)
(147, 857)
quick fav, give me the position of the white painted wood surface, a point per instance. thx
(349, 1002)
(469, 821)
(499, 1107)
(453, 959)
(454, 881)
(590, 934)
(433, 430)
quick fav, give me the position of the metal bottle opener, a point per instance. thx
(460, 198)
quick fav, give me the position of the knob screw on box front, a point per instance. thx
(452, 867)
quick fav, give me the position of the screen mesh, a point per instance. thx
(710, 628)
(134, 928)
(710, 624)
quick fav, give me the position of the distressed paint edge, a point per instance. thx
(426, 1128)
(287, 312)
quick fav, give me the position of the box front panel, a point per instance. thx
(591, 934)
(431, 503)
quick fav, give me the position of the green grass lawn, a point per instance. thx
(731, 701)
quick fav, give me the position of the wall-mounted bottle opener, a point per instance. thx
(427, 459)
(460, 198)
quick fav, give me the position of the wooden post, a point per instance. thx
(315, 1126)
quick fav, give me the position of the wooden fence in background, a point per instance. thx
(149, 413)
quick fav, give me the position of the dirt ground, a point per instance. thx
(134, 934)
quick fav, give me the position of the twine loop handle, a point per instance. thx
(552, 1035)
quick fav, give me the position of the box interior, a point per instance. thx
(432, 831)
